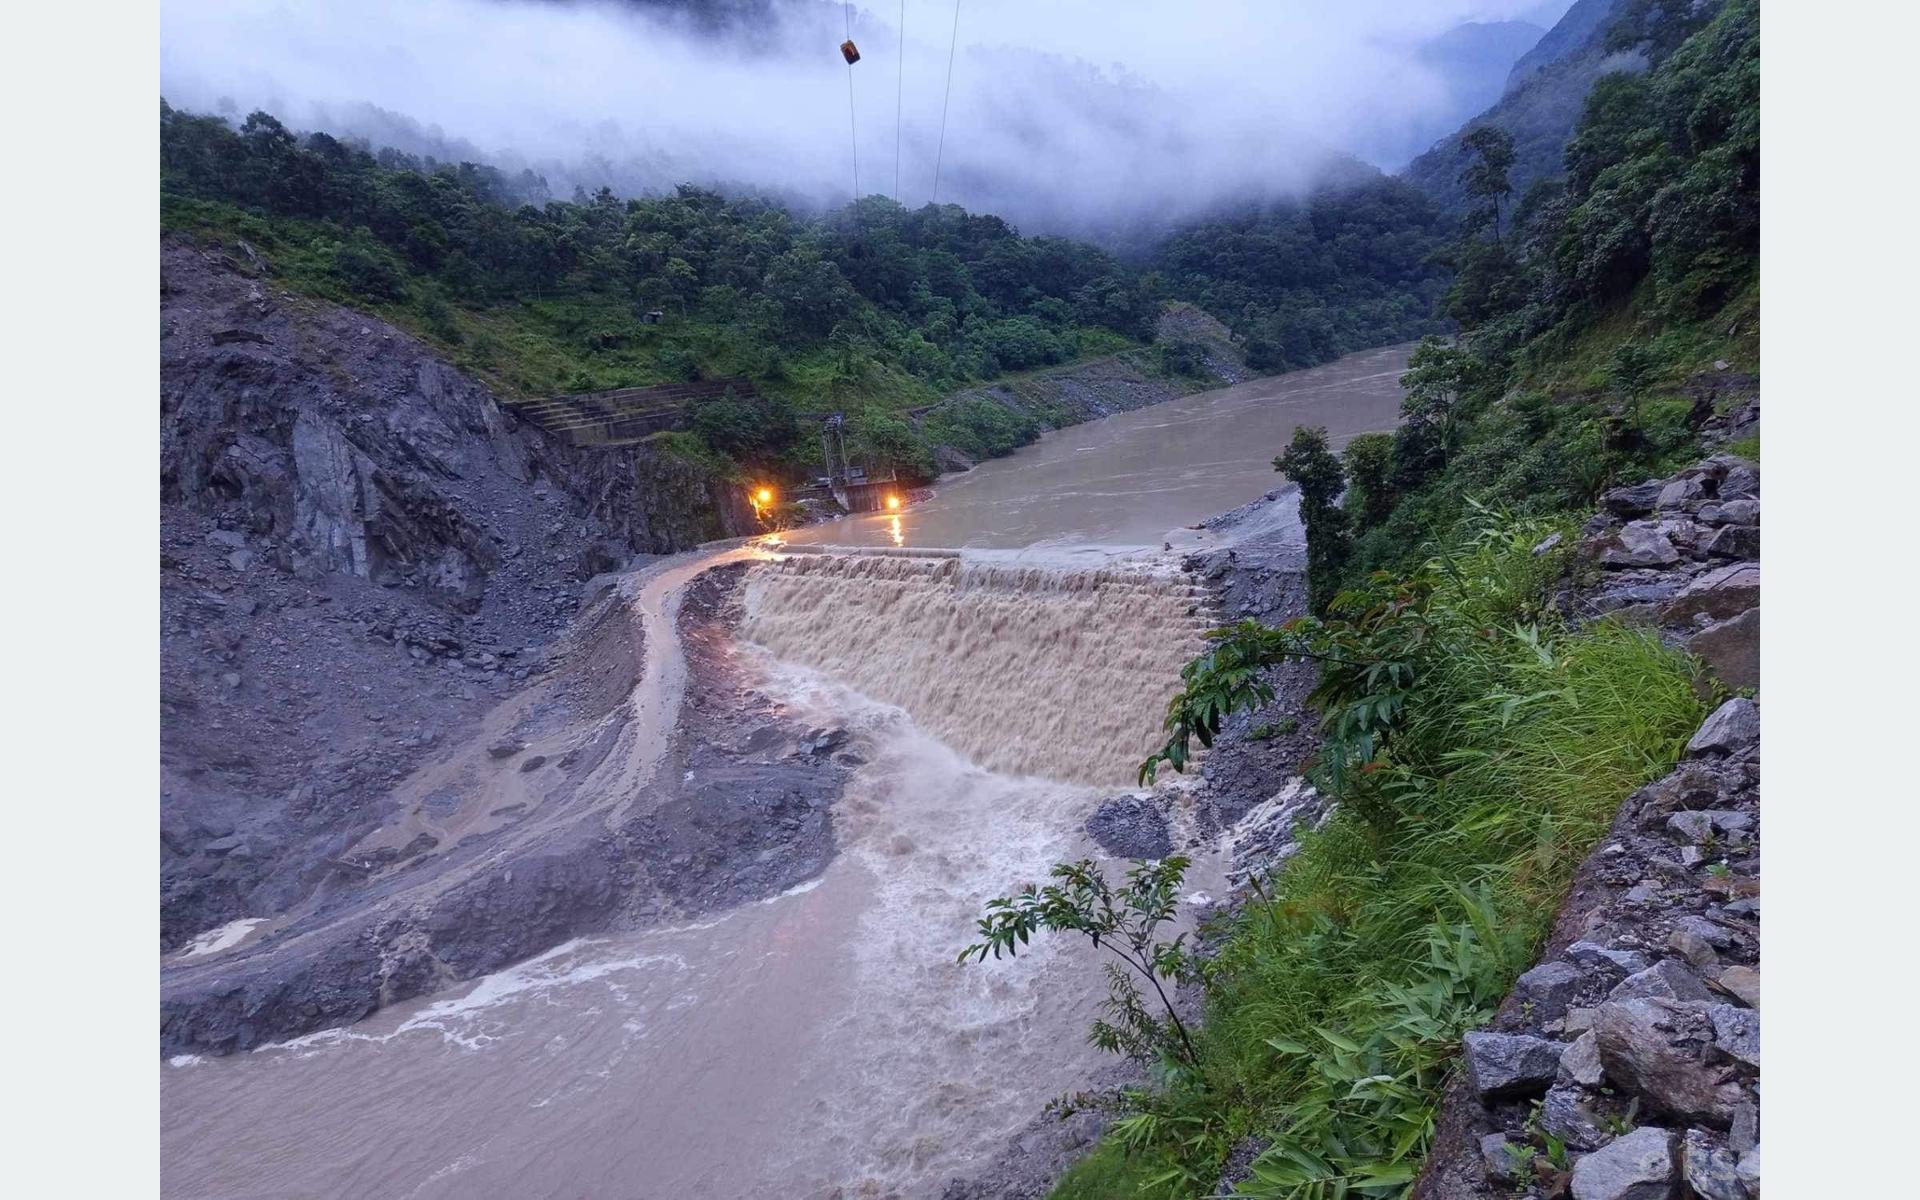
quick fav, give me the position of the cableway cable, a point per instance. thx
(853, 132)
(899, 93)
(940, 150)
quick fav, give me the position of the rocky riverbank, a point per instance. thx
(1625, 1065)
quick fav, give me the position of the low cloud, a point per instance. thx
(1070, 115)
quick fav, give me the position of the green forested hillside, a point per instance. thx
(872, 308)
(1305, 282)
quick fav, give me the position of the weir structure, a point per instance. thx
(1032, 669)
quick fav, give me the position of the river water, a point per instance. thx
(1128, 479)
(824, 1043)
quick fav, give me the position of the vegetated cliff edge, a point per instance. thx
(1626, 1063)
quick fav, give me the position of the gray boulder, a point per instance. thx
(1663, 1051)
(1744, 1134)
(1667, 979)
(1742, 480)
(1639, 545)
(1567, 1113)
(1580, 1061)
(1694, 948)
(1735, 541)
(1748, 1169)
(1715, 935)
(1638, 1166)
(1635, 500)
(1743, 983)
(1733, 727)
(1740, 512)
(1595, 956)
(1508, 1066)
(1690, 828)
(1678, 492)
(1549, 988)
(1736, 1033)
(1732, 649)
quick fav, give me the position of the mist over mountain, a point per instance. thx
(1544, 96)
(1100, 119)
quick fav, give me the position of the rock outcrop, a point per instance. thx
(1682, 554)
(360, 553)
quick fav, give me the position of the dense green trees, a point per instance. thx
(1305, 282)
(870, 307)
(1489, 150)
(945, 294)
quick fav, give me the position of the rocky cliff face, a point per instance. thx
(360, 553)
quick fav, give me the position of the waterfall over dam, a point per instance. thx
(1029, 670)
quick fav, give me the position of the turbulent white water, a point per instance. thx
(820, 1044)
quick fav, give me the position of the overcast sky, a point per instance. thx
(1064, 113)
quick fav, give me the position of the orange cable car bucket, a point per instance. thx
(850, 52)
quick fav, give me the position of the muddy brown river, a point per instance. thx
(1128, 479)
(821, 1044)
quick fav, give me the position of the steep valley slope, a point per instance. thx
(395, 686)
(359, 554)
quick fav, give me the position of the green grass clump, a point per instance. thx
(1336, 1004)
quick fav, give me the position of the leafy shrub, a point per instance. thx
(367, 270)
(1183, 359)
(981, 428)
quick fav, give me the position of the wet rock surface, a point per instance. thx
(1131, 827)
(1260, 574)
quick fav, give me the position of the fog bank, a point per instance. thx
(1072, 115)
